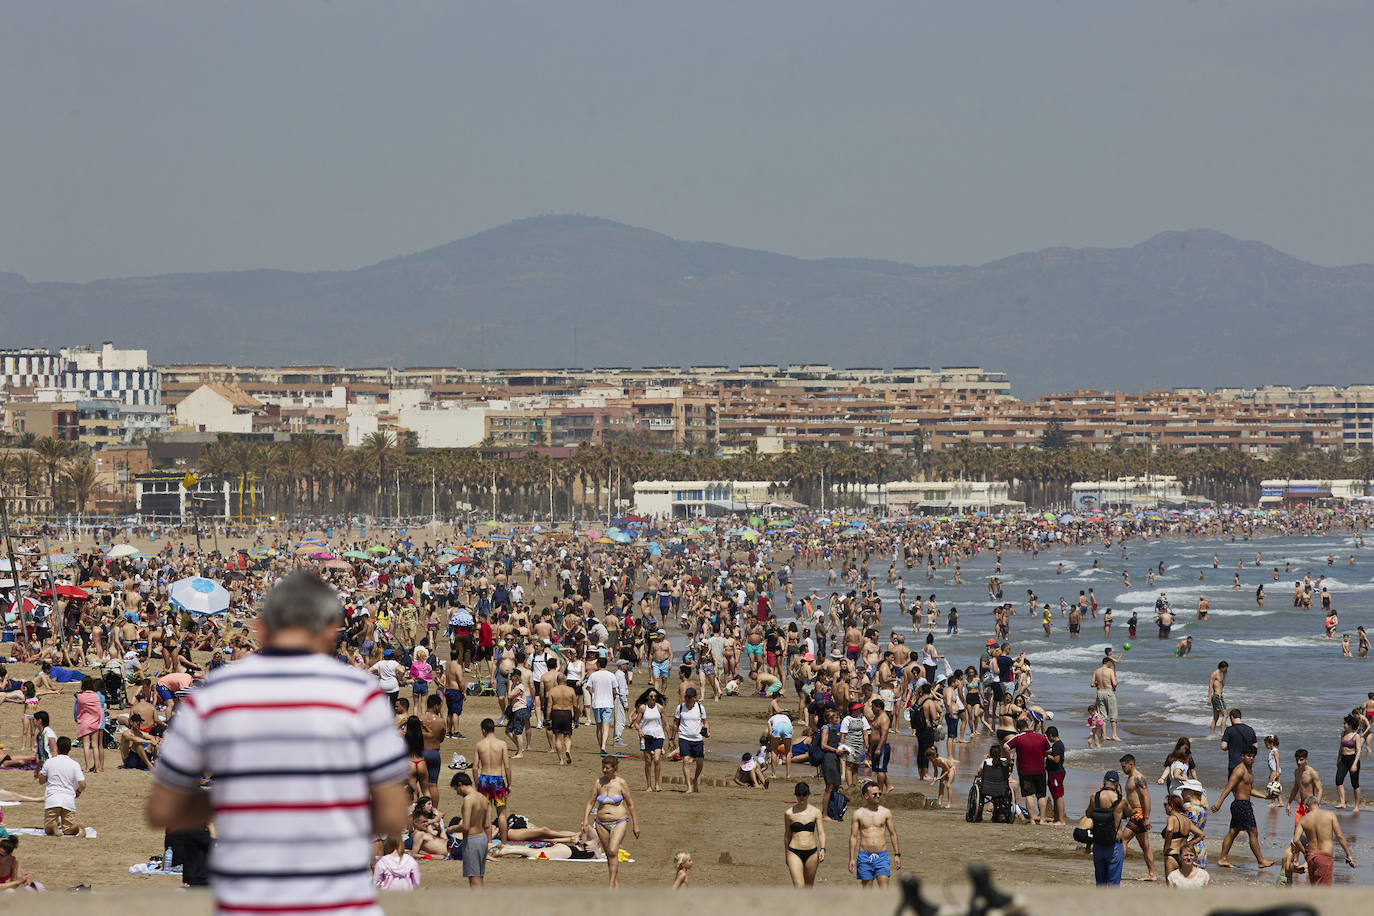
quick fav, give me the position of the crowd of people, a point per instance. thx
(561, 632)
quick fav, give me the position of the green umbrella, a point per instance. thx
(356, 554)
(378, 548)
(755, 520)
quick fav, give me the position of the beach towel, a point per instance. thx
(38, 831)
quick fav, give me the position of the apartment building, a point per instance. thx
(1352, 407)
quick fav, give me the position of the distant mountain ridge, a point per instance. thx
(1182, 308)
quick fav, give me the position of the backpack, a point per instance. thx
(1104, 823)
(838, 803)
(814, 755)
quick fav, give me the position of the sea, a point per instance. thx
(1288, 679)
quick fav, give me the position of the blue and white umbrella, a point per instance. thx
(463, 618)
(198, 595)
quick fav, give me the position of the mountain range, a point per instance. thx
(1189, 308)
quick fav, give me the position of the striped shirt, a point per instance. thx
(295, 741)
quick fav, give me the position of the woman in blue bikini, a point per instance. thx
(614, 809)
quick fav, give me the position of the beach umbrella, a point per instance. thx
(378, 548)
(604, 540)
(73, 592)
(120, 551)
(199, 595)
(336, 563)
(498, 537)
(1066, 517)
(755, 520)
(654, 549)
(621, 537)
(456, 569)
(750, 535)
(492, 523)
(60, 559)
(479, 545)
(390, 559)
(29, 605)
(443, 551)
(322, 555)
(260, 552)
(356, 554)
(463, 618)
(591, 532)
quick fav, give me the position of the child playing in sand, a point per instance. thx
(1097, 727)
(942, 774)
(750, 774)
(683, 863)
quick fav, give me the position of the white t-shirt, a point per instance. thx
(64, 775)
(386, 672)
(689, 721)
(1199, 878)
(601, 686)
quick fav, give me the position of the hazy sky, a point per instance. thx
(152, 137)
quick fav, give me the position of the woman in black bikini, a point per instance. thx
(803, 836)
(610, 800)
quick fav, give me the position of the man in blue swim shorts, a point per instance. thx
(869, 831)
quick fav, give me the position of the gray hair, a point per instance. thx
(301, 601)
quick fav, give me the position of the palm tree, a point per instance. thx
(52, 452)
(376, 449)
(81, 478)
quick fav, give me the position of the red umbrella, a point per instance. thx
(29, 605)
(73, 592)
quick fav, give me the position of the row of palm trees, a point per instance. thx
(37, 466)
(313, 476)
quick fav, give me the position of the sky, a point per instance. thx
(159, 137)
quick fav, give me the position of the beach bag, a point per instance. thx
(838, 803)
(814, 755)
(941, 731)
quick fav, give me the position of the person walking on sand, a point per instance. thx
(493, 773)
(1104, 814)
(611, 809)
(1241, 785)
(691, 731)
(1216, 687)
(1320, 829)
(869, 831)
(803, 838)
(1137, 823)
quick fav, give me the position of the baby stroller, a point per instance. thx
(992, 784)
(113, 688)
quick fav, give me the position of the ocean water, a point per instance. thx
(1287, 678)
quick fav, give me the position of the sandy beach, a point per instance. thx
(733, 833)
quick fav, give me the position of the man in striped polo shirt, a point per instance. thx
(307, 767)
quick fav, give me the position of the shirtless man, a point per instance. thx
(435, 729)
(1320, 828)
(879, 751)
(560, 707)
(1104, 682)
(1216, 686)
(869, 830)
(475, 820)
(493, 774)
(661, 661)
(1241, 784)
(454, 683)
(1307, 782)
(1136, 824)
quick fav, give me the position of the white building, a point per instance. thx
(695, 498)
(458, 427)
(112, 373)
(1131, 493)
(218, 409)
(907, 496)
(30, 367)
